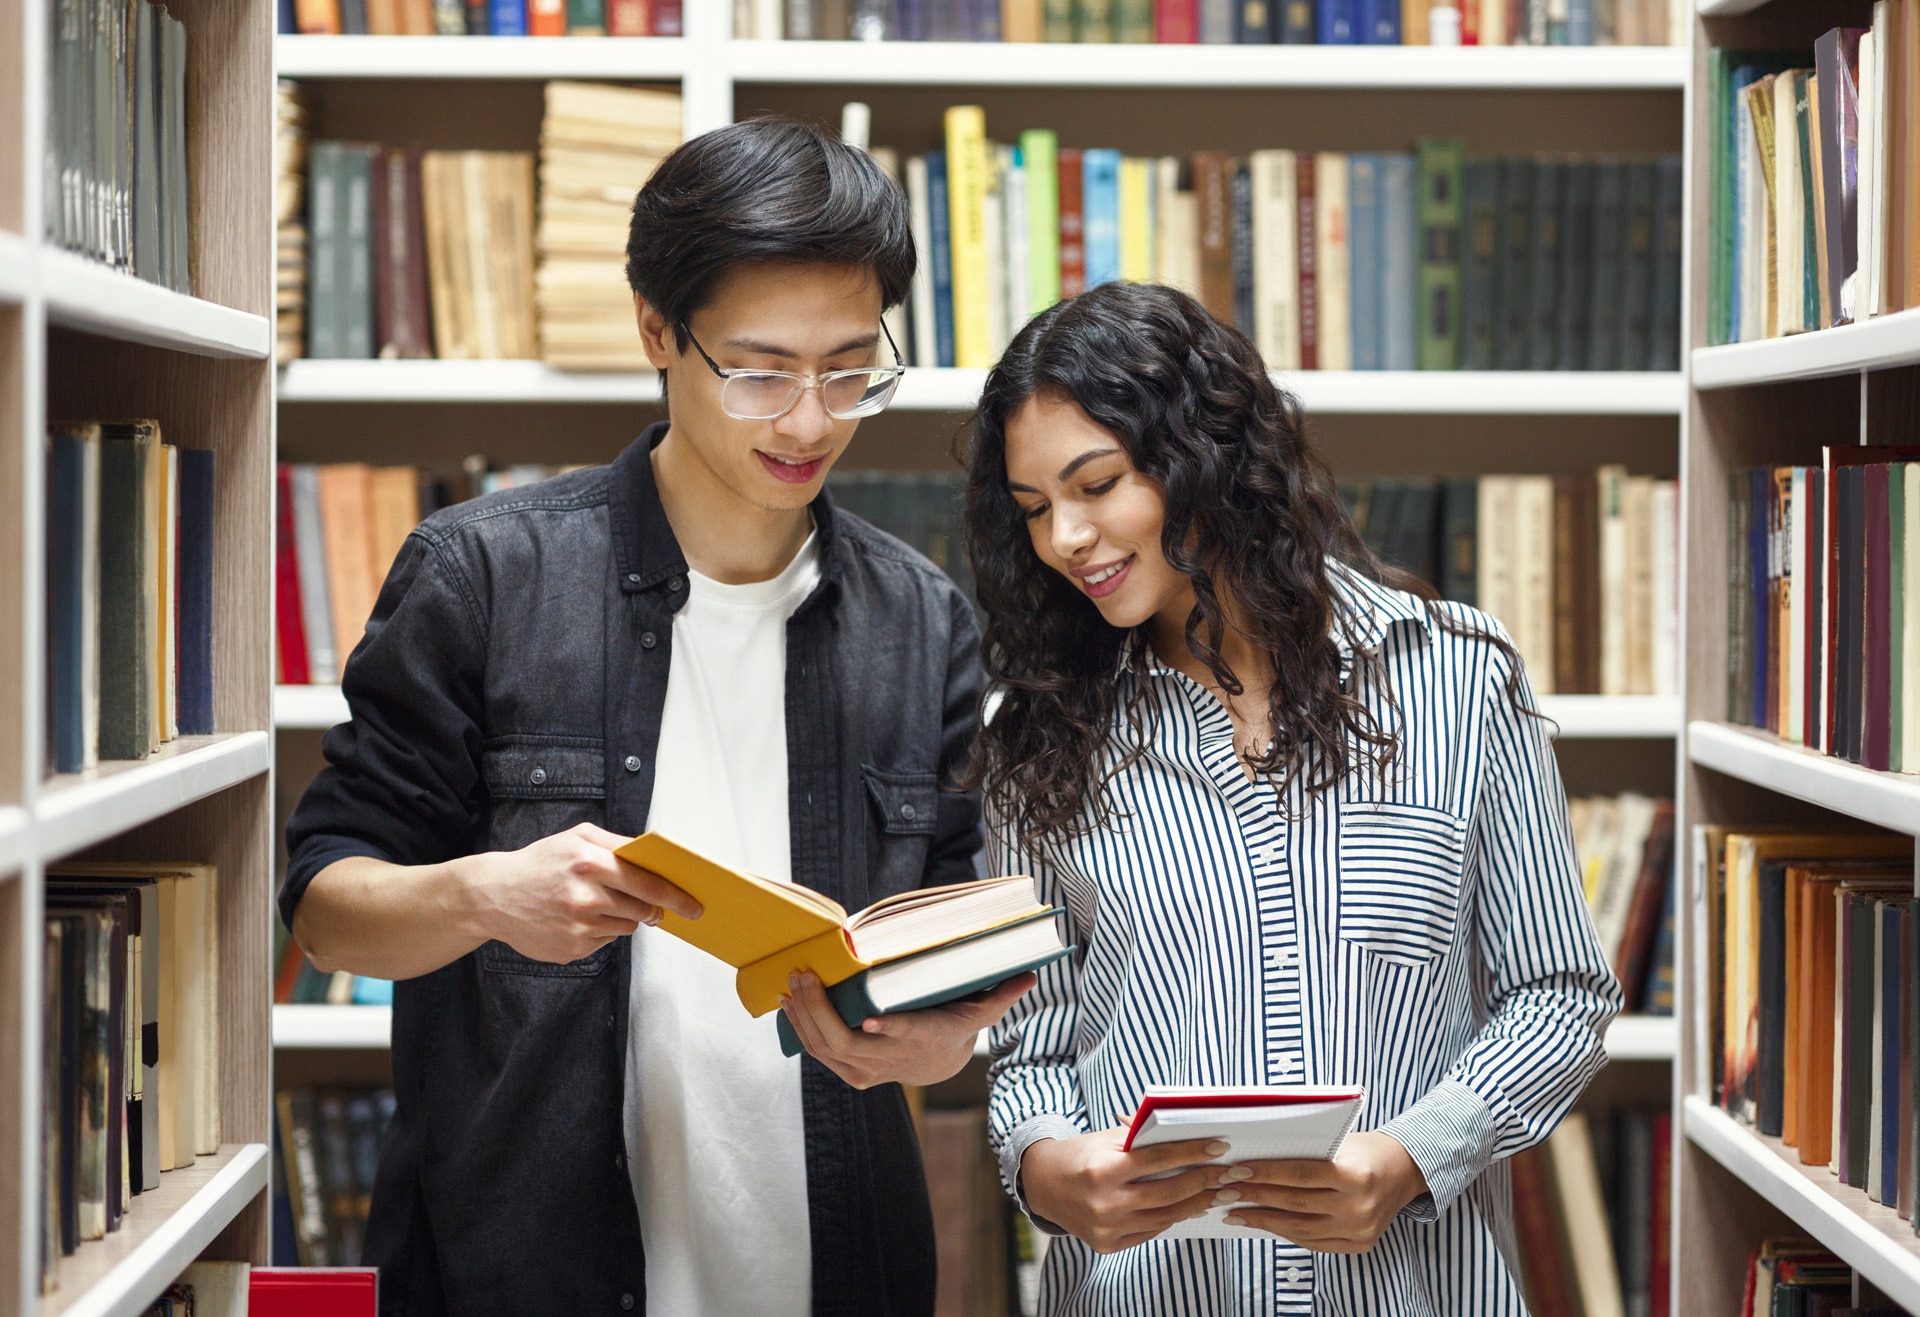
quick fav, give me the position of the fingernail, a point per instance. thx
(1235, 1219)
(1218, 1149)
(872, 1026)
(785, 1002)
(793, 981)
(1240, 1173)
(1226, 1196)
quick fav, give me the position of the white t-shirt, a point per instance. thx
(715, 1142)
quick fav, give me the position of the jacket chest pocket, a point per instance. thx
(540, 785)
(901, 808)
(1400, 880)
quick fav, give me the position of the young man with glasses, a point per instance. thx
(692, 639)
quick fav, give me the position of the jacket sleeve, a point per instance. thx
(956, 853)
(1034, 1081)
(402, 781)
(1549, 990)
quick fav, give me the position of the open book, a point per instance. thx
(1289, 1122)
(935, 944)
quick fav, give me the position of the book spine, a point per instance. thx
(323, 251)
(1576, 265)
(1216, 22)
(1214, 203)
(1364, 223)
(1136, 219)
(1399, 241)
(585, 18)
(1253, 23)
(123, 569)
(966, 136)
(1609, 235)
(356, 322)
(1134, 19)
(1638, 256)
(1039, 160)
(507, 18)
(1544, 276)
(666, 18)
(1333, 262)
(625, 18)
(547, 18)
(1071, 189)
(289, 631)
(1244, 291)
(941, 256)
(1876, 666)
(1298, 26)
(1276, 277)
(1307, 330)
(1479, 263)
(1381, 22)
(1093, 21)
(1514, 241)
(1056, 21)
(1440, 165)
(1100, 220)
(1459, 568)
(1335, 21)
(195, 662)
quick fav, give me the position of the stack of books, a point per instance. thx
(1593, 1208)
(290, 227)
(1799, 1278)
(117, 186)
(1814, 205)
(1217, 22)
(129, 592)
(481, 18)
(1823, 612)
(1625, 847)
(1583, 571)
(130, 1040)
(419, 254)
(1811, 957)
(328, 1144)
(598, 144)
(1427, 260)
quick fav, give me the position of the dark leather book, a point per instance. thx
(1253, 23)
(1835, 460)
(1663, 353)
(1649, 907)
(1892, 988)
(1459, 533)
(1212, 185)
(1297, 20)
(72, 938)
(1771, 1044)
(1609, 232)
(1636, 263)
(1812, 727)
(1480, 263)
(1243, 289)
(1306, 260)
(1857, 1042)
(1576, 264)
(67, 598)
(1543, 276)
(1515, 244)
(1576, 586)
(1876, 695)
(193, 684)
(1546, 1274)
(125, 707)
(402, 326)
(1779, 586)
(1739, 601)
(1416, 536)
(1383, 516)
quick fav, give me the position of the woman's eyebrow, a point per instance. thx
(1084, 458)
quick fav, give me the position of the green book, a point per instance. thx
(1039, 158)
(1479, 263)
(1093, 21)
(1459, 540)
(356, 243)
(324, 272)
(125, 704)
(1056, 20)
(1440, 163)
(1133, 20)
(586, 18)
(1897, 583)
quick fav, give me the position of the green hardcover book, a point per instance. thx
(1133, 21)
(1897, 584)
(1479, 263)
(1543, 278)
(1441, 161)
(586, 18)
(1636, 264)
(125, 704)
(1039, 160)
(356, 245)
(1515, 244)
(1093, 21)
(1460, 540)
(323, 251)
(1056, 20)
(1576, 263)
(1609, 237)
(1720, 190)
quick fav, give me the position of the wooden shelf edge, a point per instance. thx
(1616, 717)
(1868, 1236)
(155, 1254)
(76, 810)
(1643, 1038)
(1884, 341)
(1891, 800)
(625, 58)
(85, 295)
(324, 1027)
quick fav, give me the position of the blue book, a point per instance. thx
(940, 221)
(1380, 22)
(372, 992)
(1100, 210)
(194, 657)
(1363, 230)
(66, 599)
(287, 24)
(1580, 22)
(507, 18)
(1399, 263)
(1336, 23)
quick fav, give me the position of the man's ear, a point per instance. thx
(656, 335)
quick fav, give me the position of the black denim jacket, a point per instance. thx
(510, 685)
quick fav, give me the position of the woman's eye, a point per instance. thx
(1104, 487)
(1028, 514)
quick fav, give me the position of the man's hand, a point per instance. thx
(912, 1047)
(568, 895)
(1341, 1206)
(1094, 1189)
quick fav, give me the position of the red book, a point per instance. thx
(313, 1292)
(1877, 714)
(289, 629)
(546, 18)
(1163, 1101)
(1176, 22)
(1073, 256)
(629, 18)
(401, 314)
(666, 18)
(1470, 22)
(1660, 1278)
(1309, 280)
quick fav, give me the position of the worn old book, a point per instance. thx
(345, 507)
(401, 304)
(769, 931)
(1332, 260)
(125, 556)
(1212, 180)
(1576, 586)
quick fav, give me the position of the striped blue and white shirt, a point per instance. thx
(1427, 939)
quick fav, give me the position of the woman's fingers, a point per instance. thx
(1196, 1183)
(1254, 1193)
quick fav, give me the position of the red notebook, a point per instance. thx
(313, 1292)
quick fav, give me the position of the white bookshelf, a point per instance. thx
(1890, 800)
(1890, 340)
(16, 267)
(1726, 8)
(628, 59)
(78, 809)
(1642, 1038)
(332, 1027)
(82, 294)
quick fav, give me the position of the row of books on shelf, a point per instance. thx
(481, 18)
(1426, 260)
(235, 1289)
(1823, 616)
(1799, 1278)
(1592, 1208)
(1815, 161)
(326, 1152)
(116, 167)
(1582, 570)
(1215, 22)
(1624, 845)
(1813, 954)
(296, 982)
(129, 525)
(130, 1037)
(410, 254)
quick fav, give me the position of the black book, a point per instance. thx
(1543, 278)
(1771, 1049)
(479, 18)
(1637, 259)
(1609, 232)
(1297, 23)
(1514, 240)
(1459, 541)
(1416, 533)
(1759, 524)
(194, 563)
(1858, 1053)
(1253, 23)
(1664, 348)
(1383, 516)
(1739, 601)
(73, 977)
(1849, 537)
(1243, 248)
(1816, 513)
(353, 18)
(1480, 266)
(1576, 263)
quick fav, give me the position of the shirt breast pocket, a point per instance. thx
(903, 806)
(1400, 879)
(540, 785)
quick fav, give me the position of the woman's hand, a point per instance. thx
(1095, 1190)
(1341, 1206)
(910, 1047)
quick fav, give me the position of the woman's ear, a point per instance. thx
(656, 335)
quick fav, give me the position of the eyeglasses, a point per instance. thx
(764, 395)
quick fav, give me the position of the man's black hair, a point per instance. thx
(769, 189)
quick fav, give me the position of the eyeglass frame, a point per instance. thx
(806, 381)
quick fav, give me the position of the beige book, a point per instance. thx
(1532, 579)
(393, 493)
(344, 524)
(475, 267)
(1760, 304)
(1666, 587)
(1601, 830)
(1614, 678)
(1576, 1178)
(1493, 22)
(1620, 870)
(641, 107)
(204, 992)
(1789, 238)
(1493, 567)
(1332, 261)
(509, 193)
(446, 246)
(1637, 505)
(1276, 275)
(1868, 119)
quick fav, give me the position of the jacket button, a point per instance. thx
(647, 640)
(611, 1024)
(908, 812)
(633, 578)
(538, 776)
(626, 1303)
(677, 583)
(633, 763)
(619, 1161)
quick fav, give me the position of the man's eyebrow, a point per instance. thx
(763, 348)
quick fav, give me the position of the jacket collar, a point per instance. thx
(645, 552)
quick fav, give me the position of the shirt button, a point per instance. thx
(537, 776)
(1293, 1275)
(677, 583)
(633, 763)
(909, 813)
(611, 1024)
(626, 1303)
(647, 640)
(619, 1161)
(633, 578)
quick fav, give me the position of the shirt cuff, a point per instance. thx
(1027, 1133)
(1450, 1134)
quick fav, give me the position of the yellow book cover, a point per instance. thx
(967, 227)
(768, 930)
(1136, 220)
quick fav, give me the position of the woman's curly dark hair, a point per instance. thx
(1250, 508)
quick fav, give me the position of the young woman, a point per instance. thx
(1305, 824)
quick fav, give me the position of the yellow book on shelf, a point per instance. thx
(966, 205)
(1136, 220)
(768, 930)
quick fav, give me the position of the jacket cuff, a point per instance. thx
(315, 854)
(1027, 1133)
(1450, 1134)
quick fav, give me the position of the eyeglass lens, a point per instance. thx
(758, 397)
